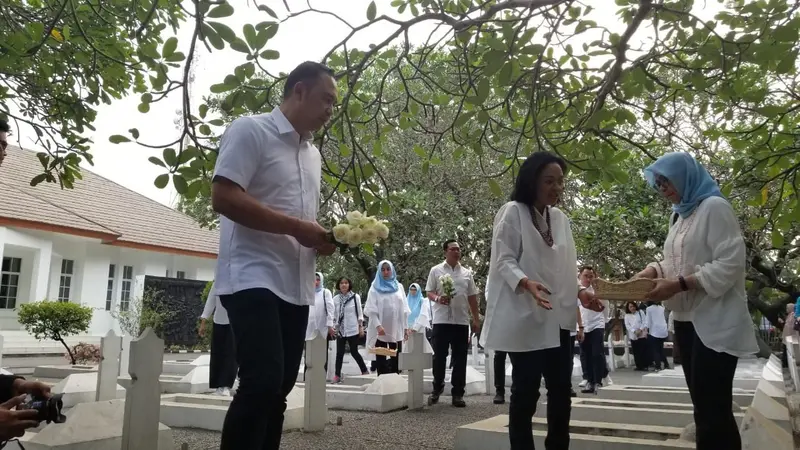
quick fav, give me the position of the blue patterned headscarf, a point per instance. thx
(382, 285)
(690, 178)
(321, 283)
(414, 304)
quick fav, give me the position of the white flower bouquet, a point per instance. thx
(358, 230)
(448, 287)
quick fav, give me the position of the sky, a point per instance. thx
(308, 37)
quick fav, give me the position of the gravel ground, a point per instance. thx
(431, 428)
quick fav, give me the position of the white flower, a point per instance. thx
(340, 232)
(383, 231)
(354, 237)
(354, 218)
(369, 235)
(447, 285)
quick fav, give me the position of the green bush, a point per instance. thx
(142, 313)
(55, 320)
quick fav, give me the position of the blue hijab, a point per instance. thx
(414, 304)
(321, 283)
(385, 286)
(690, 178)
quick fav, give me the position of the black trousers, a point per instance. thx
(500, 372)
(388, 365)
(447, 337)
(352, 342)
(657, 351)
(639, 349)
(529, 368)
(571, 354)
(269, 335)
(223, 358)
(709, 375)
(592, 357)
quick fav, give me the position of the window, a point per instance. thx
(112, 271)
(65, 285)
(9, 282)
(167, 273)
(127, 285)
(180, 275)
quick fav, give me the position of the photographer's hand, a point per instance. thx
(14, 423)
(35, 388)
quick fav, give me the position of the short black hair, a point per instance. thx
(4, 128)
(580, 271)
(627, 307)
(307, 72)
(526, 183)
(448, 242)
(349, 283)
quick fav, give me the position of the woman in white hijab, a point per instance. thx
(388, 313)
(530, 299)
(320, 315)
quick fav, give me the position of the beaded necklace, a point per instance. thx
(546, 235)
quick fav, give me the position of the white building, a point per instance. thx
(89, 244)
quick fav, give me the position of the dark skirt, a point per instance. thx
(223, 368)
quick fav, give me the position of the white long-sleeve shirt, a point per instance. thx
(351, 316)
(388, 310)
(709, 245)
(213, 305)
(320, 315)
(514, 322)
(633, 323)
(656, 322)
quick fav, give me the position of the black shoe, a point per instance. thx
(459, 402)
(433, 399)
(499, 399)
(589, 389)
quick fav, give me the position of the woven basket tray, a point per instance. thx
(383, 351)
(633, 290)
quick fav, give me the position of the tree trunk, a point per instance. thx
(69, 351)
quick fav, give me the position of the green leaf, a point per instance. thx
(118, 139)
(203, 110)
(223, 10)
(157, 162)
(240, 46)
(161, 181)
(224, 31)
(420, 151)
(169, 47)
(777, 239)
(495, 188)
(344, 150)
(144, 108)
(220, 88)
(212, 37)
(250, 35)
(372, 10)
(134, 132)
(268, 10)
(170, 157)
(270, 54)
(757, 223)
(38, 179)
(175, 57)
(463, 118)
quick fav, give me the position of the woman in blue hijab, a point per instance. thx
(388, 312)
(701, 280)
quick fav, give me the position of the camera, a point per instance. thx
(49, 409)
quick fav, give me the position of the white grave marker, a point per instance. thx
(125, 354)
(315, 411)
(108, 372)
(143, 399)
(488, 357)
(415, 361)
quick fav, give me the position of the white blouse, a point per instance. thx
(320, 315)
(389, 311)
(709, 244)
(633, 323)
(656, 322)
(514, 322)
(214, 305)
(423, 319)
(353, 314)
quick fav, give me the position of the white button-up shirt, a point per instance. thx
(352, 314)
(275, 165)
(457, 312)
(213, 305)
(656, 322)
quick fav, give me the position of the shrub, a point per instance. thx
(55, 320)
(143, 312)
(85, 353)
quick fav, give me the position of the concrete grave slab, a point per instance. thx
(81, 388)
(759, 433)
(95, 426)
(367, 397)
(207, 412)
(475, 384)
(195, 382)
(584, 435)
(61, 371)
(663, 394)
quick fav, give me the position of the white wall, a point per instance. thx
(43, 252)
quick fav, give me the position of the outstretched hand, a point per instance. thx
(590, 301)
(538, 290)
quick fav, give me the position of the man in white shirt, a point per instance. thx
(266, 188)
(594, 329)
(451, 319)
